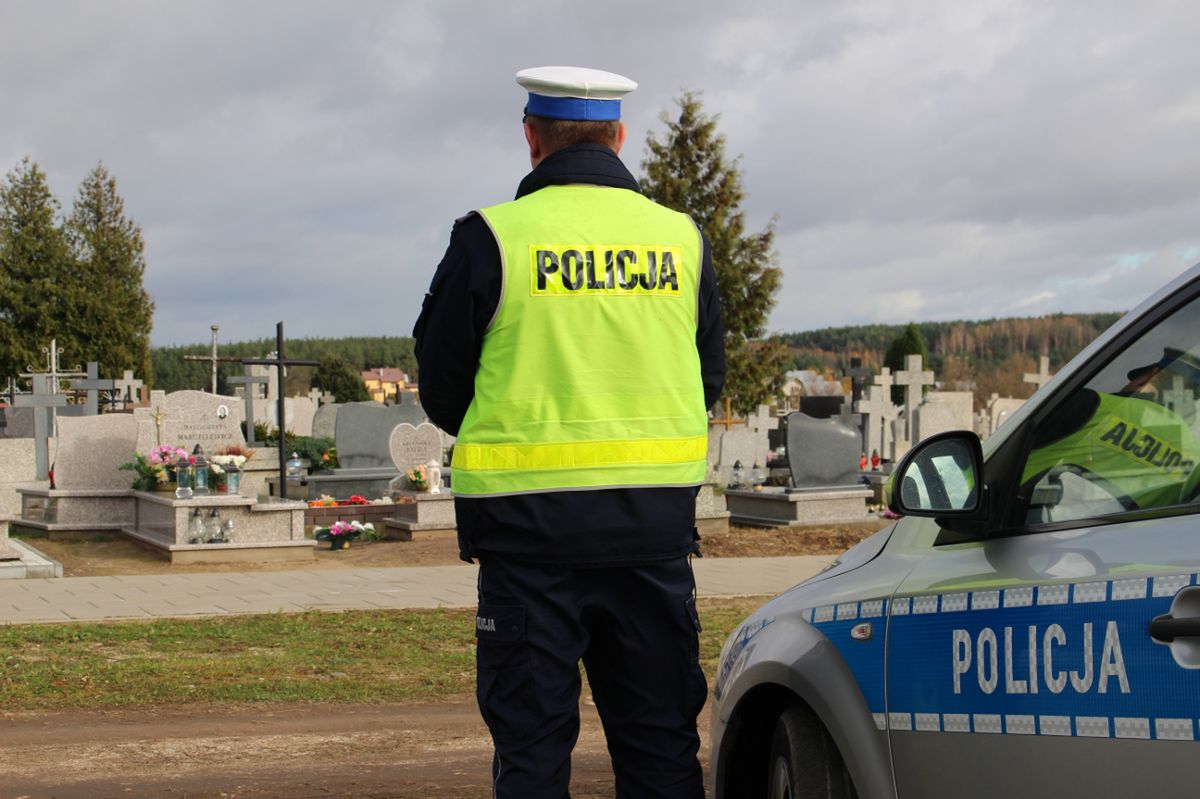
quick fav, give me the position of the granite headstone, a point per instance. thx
(190, 418)
(822, 453)
(415, 446)
(364, 431)
(91, 450)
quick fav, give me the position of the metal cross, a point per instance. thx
(858, 375)
(280, 363)
(43, 404)
(51, 375)
(159, 414)
(213, 358)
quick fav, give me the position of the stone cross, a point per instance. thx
(213, 358)
(762, 419)
(875, 408)
(44, 401)
(314, 394)
(1042, 376)
(128, 388)
(913, 379)
(93, 385)
(280, 362)
(249, 380)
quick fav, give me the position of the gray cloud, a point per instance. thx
(304, 161)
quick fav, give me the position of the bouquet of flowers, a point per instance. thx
(418, 478)
(157, 467)
(340, 534)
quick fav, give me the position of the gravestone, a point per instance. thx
(18, 422)
(91, 450)
(415, 446)
(324, 424)
(822, 452)
(364, 431)
(933, 417)
(1000, 409)
(189, 418)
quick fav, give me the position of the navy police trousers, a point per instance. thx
(636, 631)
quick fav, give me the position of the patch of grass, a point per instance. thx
(356, 656)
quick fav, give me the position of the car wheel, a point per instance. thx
(805, 762)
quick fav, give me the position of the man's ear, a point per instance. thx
(535, 145)
(620, 137)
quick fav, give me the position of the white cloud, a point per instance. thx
(304, 161)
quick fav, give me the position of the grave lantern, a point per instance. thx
(200, 477)
(739, 475)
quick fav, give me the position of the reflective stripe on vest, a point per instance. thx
(589, 375)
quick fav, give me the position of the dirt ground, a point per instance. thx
(265, 751)
(304, 751)
(94, 558)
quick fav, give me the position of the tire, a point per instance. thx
(805, 762)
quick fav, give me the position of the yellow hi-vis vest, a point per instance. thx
(589, 375)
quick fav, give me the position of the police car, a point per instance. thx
(1030, 627)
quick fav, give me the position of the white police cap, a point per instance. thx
(574, 92)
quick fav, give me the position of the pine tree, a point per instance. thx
(687, 170)
(112, 314)
(35, 270)
(909, 342)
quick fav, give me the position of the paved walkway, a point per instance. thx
(219, 594)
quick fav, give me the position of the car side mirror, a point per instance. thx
(941, 477)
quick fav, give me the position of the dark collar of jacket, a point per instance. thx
(583, 163)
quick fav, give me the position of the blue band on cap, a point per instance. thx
(573, 108)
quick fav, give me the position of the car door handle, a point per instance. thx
(1167, 628)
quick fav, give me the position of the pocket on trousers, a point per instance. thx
(504, 685)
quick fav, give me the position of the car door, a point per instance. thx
(1060, 655)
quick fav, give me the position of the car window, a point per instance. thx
(1129, 439)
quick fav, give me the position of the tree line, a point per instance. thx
(355, 353)
(986, 357)
(74, 277)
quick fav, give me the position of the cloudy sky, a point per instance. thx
(304, 161)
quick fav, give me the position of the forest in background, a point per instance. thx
(172, 373)
(986, 357)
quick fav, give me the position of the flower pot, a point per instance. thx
(340, 542)
(167, 487)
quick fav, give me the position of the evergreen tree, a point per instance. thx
(909, 342)
(339, 378)
(687, 170)
(35, 270)
(112, 314)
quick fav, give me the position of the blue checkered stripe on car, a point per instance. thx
(1068, 659)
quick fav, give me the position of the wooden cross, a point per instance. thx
(93, 385)
(213, 357)
(280, 363)
(728, 421)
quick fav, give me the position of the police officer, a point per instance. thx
(572, 340)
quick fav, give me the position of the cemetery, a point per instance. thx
(184, 475)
